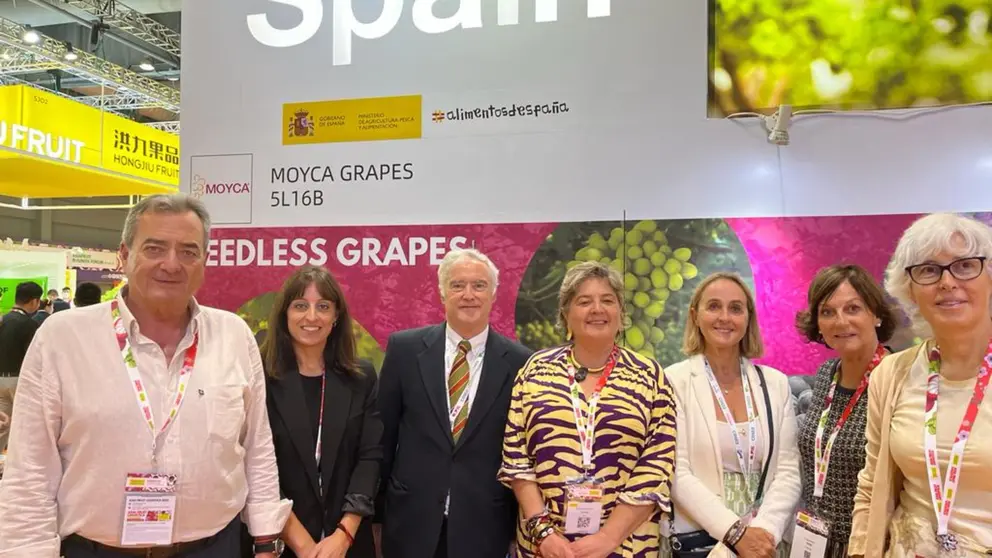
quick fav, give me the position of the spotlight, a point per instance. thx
(70, 54)
(147, 66)
(30, 36)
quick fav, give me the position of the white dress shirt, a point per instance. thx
(475, 357)
(77, 432)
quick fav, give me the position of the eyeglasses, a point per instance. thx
(964, 269)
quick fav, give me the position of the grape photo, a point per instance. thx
(255, 313)
(859, 54)
(661, 262)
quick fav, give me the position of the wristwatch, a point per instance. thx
(277, 547)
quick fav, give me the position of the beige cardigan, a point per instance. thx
(880, 482)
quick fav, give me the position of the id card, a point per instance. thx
(810, 538)
(583, 506)
(149, 509)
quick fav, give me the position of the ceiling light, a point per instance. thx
(173, 78)
(7, 56)
(30, 36)
(147, 66)
(70, 53)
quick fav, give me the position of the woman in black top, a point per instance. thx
(325, 426)
(846, 312)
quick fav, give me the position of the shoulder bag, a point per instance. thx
(698, 544)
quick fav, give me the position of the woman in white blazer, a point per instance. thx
(737, 480)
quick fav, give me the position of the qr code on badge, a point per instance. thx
(584, 523)
(807, 554)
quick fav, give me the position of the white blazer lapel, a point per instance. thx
(703, 395)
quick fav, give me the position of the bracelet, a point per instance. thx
(540, 526)
(546, 532)
(351, 539)
(531, 524)
(734, 534)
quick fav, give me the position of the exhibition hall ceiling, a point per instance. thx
(121, 56)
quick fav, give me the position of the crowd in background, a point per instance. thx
(467, 444)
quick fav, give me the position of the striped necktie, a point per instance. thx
(457, 384)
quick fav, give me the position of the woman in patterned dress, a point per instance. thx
(602, 499)
(846, 311)
(925, 489)
(724, 447)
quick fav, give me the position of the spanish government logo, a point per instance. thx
(300, 124)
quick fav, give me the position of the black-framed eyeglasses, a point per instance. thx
(964, 269)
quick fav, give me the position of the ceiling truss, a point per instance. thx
(128, 20)
(20, 57)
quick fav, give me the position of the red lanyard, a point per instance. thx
(942, 494)
(822, 453)
(585, 421)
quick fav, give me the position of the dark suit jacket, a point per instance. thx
(421, 461)
(16, 332)
(350, 452)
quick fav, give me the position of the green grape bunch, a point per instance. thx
(652, 270)
(541, 333)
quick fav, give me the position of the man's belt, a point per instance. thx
(170, 551)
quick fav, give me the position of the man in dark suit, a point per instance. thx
(17, 330)
(444, 394)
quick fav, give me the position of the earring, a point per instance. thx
(878, 323)
(568, 333)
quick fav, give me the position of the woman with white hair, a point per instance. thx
(925, 489)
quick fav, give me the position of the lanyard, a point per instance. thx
(189, 360)
(942, 495)
(585, 421)
(320, 419)
(822, 453)
(752, 417)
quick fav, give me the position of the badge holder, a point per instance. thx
(810, 538)
(149, 509)
(583, 505)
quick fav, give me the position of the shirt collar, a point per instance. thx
(131, 325)
(478, 342)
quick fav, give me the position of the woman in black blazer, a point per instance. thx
(325, 426)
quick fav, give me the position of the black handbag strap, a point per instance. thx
(771, 434)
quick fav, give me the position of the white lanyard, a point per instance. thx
(747, 465)
(585, 422)
(473, 380)
(141, 395)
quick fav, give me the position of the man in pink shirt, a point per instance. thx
(139, 425)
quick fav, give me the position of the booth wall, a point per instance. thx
(341, 146)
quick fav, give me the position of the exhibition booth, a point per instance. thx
(384, 134)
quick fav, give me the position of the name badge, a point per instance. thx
(583, 507)
(149, 509)
(810, 538)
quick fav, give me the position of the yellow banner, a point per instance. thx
(48, 125)
(139, 150)
(347, 120)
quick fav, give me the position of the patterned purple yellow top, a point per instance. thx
(634, 449)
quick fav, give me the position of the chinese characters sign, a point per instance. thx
(139, 150)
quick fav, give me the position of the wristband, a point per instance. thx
(351, 539)
(734, 534)
(546, 532)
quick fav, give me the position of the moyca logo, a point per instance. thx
(346, 25)
(201, 187)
